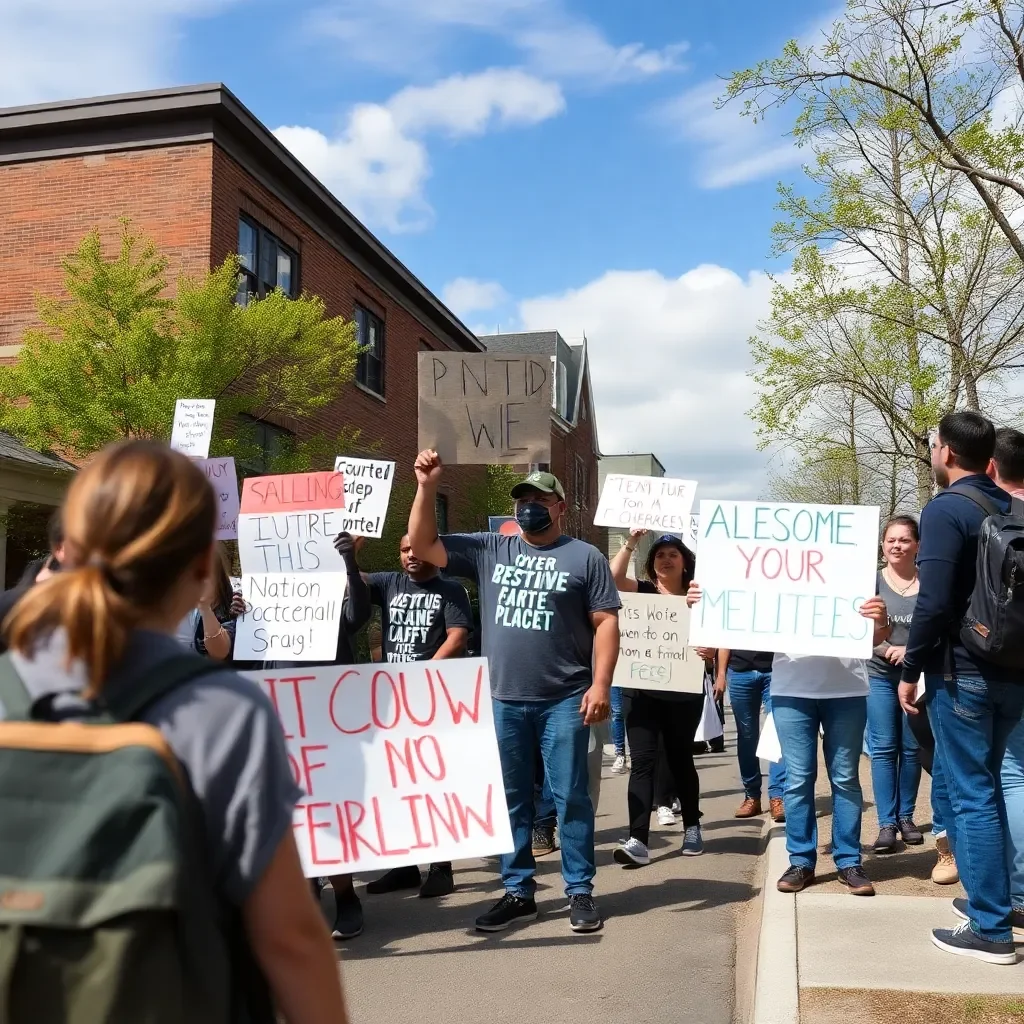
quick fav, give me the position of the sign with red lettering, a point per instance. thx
(785, 577)
(288, 523)
(398, 763)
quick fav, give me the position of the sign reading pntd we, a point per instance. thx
(367, 493)
(193, 426)
(785, 577)
(224, 480)
(658, 503)
(288, 523)
(290, 617)
(398, 764)
(654, 651)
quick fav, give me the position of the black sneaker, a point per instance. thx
(583, 913)
(543, 840)
(508, 910)
(440, 881)
(348, 919)
(963, 941)
(395, 880)
(796, 879)
(858, 882)
(886, 841)
(910, 832)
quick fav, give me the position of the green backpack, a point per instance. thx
(108, 912)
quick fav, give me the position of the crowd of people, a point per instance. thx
(131, 619)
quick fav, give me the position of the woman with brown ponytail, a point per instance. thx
(139, 553)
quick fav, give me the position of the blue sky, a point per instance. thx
(538, 163)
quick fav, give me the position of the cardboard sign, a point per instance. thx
(290, 617)
(654, 651)
(398, 763)
(660, 504)
(193, 426)
(476, 408)
(367, 493)
(222, 476)
(785, 577)
(288, 523)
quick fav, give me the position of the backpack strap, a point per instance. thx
(127, 702)
(15, 698)
(979, 497)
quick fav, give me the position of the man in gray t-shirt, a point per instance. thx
(549, 617)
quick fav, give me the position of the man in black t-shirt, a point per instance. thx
(424, 617)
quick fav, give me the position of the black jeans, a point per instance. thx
(648, 717)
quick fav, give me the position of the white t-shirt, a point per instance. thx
(818, 677)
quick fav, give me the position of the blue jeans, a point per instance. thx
(618, 722)
(972, 721)
(556, 729)
(895, 764)
(748, 693)
(797, 720)
(1012, 782)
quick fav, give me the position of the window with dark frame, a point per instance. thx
(441, 512)
(270, 441)
(370, 367)
(265, 262)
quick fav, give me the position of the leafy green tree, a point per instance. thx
(114, 354)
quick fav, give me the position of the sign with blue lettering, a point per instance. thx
(788, 577)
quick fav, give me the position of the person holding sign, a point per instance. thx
(424, 617)
(673, 717)
(549, 611)
(209, 629)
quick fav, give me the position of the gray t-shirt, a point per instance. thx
(901, 611)
(223, 730)
(535, 608)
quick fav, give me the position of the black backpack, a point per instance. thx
(993, 626)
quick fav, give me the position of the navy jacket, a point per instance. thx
(946, 563)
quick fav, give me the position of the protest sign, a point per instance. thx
(692, 535)
(224, 480)
(507, 525)
(193, 426)
(288, 523)
(660, 504)
(654, 651)
(476, 408)
(367, 493)
(398, 764)
(785, 577)
(290, 617)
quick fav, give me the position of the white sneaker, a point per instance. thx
(632, 853)
(666, 816)
(619, 765)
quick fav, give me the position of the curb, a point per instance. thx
(776, 988)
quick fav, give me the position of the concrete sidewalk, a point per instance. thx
(666, 953)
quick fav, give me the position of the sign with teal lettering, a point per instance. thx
(788, 577)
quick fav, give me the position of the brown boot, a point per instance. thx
(778, 809)
(944, 872)
(750, 808)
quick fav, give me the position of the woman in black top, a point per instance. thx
(653, 713)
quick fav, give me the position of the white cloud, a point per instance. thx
(669, 363)
(467, 295)
(397, 34)
(378, 164)
(64, 49)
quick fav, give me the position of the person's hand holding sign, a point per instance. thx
(693, 594)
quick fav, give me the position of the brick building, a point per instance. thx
(198, 174)
(574, 448)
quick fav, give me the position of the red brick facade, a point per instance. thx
(574, 457)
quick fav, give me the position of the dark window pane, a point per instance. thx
(441, 511)
(370, 334)
(247, 244)
(268, 261)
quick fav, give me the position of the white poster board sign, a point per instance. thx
(660, 504)
(224, 480)
(193, 426)
(785, 577)
(288, 523)
(367, 493)
(399, 764)
(290, 617)
(654, 651)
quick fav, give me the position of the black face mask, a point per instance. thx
(533, 517)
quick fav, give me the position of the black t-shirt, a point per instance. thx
(750, 661)
(416, 617)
